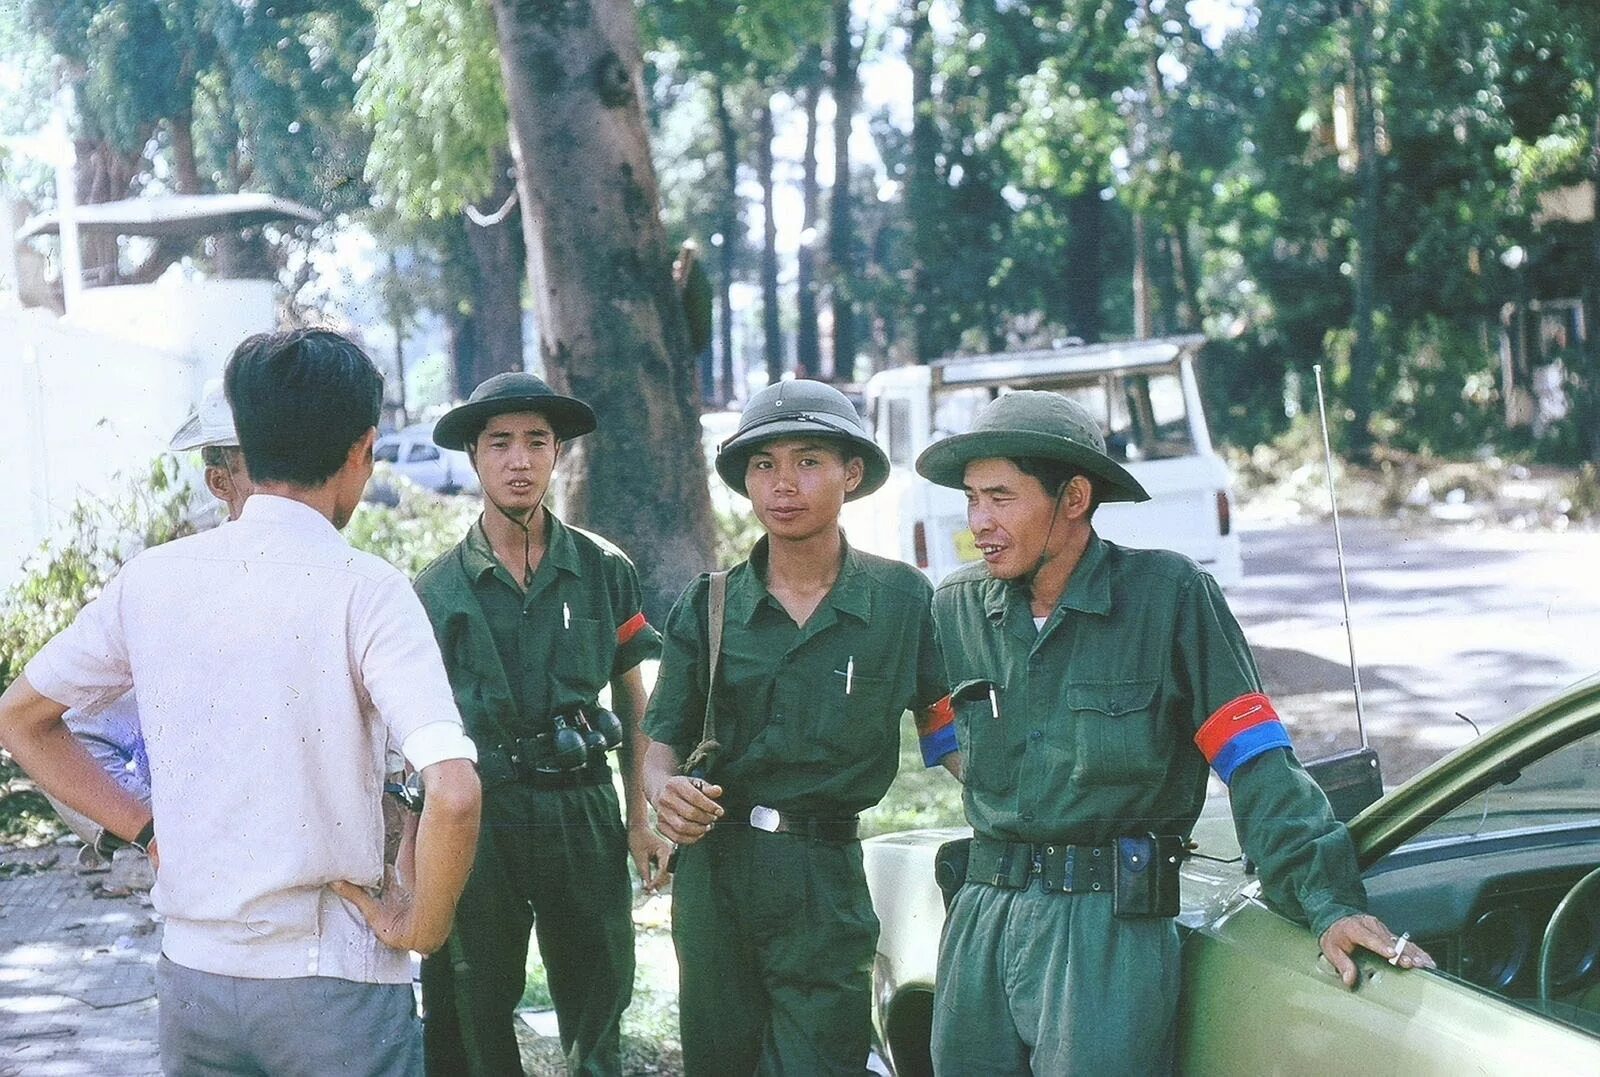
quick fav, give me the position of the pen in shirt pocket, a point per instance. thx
(848, 673)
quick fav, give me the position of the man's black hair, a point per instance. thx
(1054, 475)
(300, 400)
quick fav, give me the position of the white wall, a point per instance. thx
(78, 411)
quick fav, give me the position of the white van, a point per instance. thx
(1144, 394)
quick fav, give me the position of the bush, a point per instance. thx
(66, 572)
(420, 526)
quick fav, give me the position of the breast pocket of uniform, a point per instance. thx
(853, 713)
(1117, 732)
(980, 733)
(584, 651)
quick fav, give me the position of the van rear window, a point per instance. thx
(1142, 414)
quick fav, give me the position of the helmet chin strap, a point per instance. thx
(1044, 554)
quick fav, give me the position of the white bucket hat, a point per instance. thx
(210, 424)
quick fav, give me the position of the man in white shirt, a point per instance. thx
(272, 663)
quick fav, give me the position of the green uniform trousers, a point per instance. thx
(1031, 982)
(775, 936)
(554, 861)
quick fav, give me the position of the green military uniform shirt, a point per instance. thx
(808, 717)
(516, 657)
(1101, 723)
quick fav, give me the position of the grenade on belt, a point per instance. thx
(604, 727)
(569, 748)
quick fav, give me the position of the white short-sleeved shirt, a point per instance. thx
(272, 663)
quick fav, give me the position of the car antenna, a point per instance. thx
(1351, 779)
(1338, 543)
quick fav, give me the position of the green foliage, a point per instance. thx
(263, 91)
(67, 571)
(419, 527)
(431, 91)
(920, 796)
(737, 530)
(1440, 390)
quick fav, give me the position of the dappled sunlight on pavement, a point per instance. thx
(77, 970)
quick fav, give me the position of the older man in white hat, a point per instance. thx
(112, 736)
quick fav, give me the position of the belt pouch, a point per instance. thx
(1145, 876)
(495, 767)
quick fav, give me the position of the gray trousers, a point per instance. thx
(310, 1025)
(1053, 985)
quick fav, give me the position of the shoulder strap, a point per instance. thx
(716, 603)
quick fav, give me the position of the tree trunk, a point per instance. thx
(922, 191)
(463, 335)
(101, 174)
(185, 170)
(771, 327)
(808, 346)
(1364, 356)
(841, 233)
(1143, 323)
(1588, 403)
(1083, 277)
(612, 327)
(1186, 312)
(728, 254)
(497, 265)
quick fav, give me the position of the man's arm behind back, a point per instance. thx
(419, 917)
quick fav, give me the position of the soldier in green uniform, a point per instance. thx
(1093, 687)
(534, 619)
(823, 649)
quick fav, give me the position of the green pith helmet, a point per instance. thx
(1032, 422)
(510, 392)
(796, 409)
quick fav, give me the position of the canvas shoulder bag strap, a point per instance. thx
(716, 603)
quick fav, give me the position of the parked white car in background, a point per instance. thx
(412, 453)
(1147, 400)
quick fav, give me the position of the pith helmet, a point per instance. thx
(1032, 422)
(801, 408)
(209, 424)
(504, 393)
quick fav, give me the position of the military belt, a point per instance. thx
(1056, 866)
(519, 762)
(773, 821)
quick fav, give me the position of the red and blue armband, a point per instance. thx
(630, 628)
(936, 731)
(1240, 730)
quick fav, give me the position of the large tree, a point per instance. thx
(612, 327)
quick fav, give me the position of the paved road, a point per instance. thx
(1485, 623)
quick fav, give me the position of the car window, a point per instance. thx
(1155, 423)
(420, 452)
(896, 412)
(386, 452)
(1559, 790)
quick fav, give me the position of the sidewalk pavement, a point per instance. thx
(77, 967)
